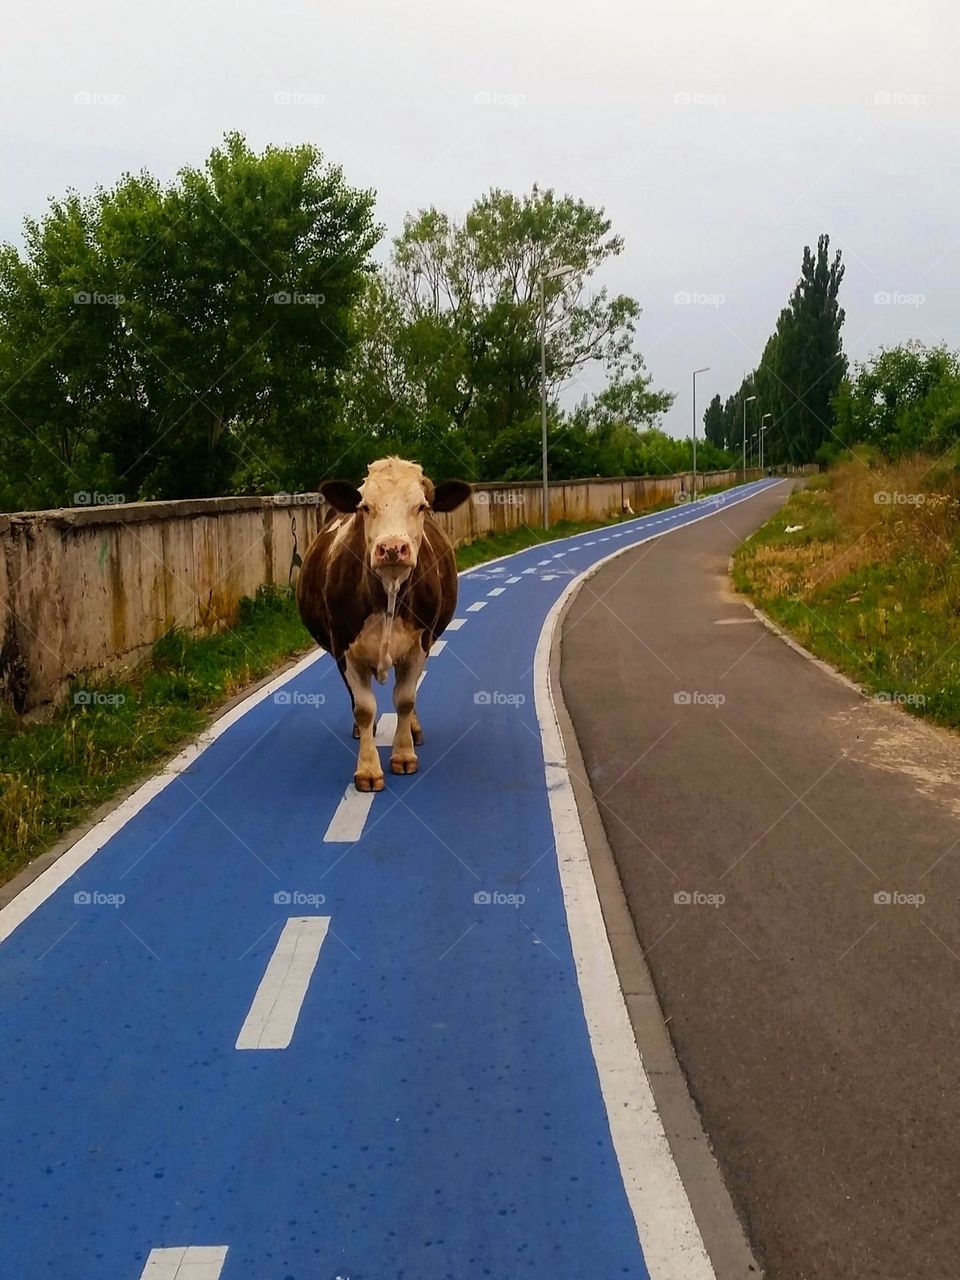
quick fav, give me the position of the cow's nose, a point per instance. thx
(393, 551)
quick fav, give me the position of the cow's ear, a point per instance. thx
(341, 495)
(450, 494)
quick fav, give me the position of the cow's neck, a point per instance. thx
(392, 588)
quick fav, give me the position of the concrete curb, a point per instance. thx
(720, 1226)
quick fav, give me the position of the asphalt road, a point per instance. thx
(258, 1026)
(756, 808)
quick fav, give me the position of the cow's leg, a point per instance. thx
(369, 775)
(403, 758)
(342, 668)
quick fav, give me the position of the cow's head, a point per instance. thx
(392, 503)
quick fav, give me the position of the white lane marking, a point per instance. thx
(532, 569)
(547, 561)
(475, 608)
(38, 891)
(560, 556)
(549, 577)
(497, 591)
(590, 544)
(272, 1019)
(456, 623)
(438, 646)
(499, 569)
(193, 1262)
(386, 728)
(346, 825)
(510, 580)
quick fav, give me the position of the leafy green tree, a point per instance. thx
(803, 364)
(903, 399)
(459, 310)
(714, 428)
(185, 339)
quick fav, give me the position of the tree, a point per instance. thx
(714, 428)
(458, 308)
(904, 398)
(803, 363)
(186, 339)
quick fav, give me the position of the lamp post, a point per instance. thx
(763, 428)
(705, 369)
(745, 403)
(563, 270)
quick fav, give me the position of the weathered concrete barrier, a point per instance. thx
(87, 591)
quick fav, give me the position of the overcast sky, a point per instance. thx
(720, 138)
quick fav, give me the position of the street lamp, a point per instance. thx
(745, 403)
(563, 270)
(763, 428)
(705, 369)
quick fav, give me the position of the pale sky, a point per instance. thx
(719, 137)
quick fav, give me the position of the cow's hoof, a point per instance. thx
(368, 782)
(404, 764)
(418, 737)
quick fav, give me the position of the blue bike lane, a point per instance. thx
(238, 1045)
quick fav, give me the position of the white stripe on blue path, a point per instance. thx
(272, 1019)
(192, 1262)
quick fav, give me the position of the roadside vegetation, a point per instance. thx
(862, 566)
(110, 734)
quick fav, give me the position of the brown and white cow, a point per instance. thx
(378, 585)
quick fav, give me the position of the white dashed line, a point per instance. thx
(509, 580)
(477, 606)
(194, 1262)
(456, 623)
(547, 561)
(548, 577)
(497, 591)
(386, 728)
(532, 569)
(438, 646)
(346, 825)
(276, 1006)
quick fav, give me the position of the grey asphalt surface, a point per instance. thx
(819, 1028)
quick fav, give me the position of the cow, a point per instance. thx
(377, 586)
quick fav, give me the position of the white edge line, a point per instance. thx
(36, 893)
(672, 1245)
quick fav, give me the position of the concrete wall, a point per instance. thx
(87, 591)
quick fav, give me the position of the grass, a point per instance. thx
(111, 733)
(870, 580)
